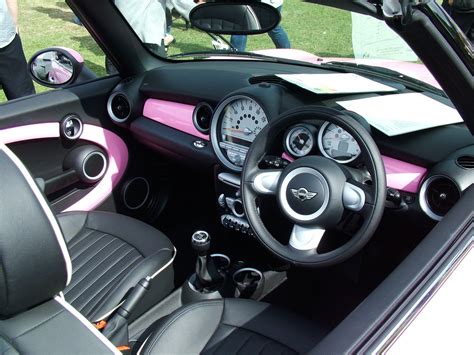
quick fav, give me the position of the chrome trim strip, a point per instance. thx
(230, 179)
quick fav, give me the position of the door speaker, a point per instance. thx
(136, 193)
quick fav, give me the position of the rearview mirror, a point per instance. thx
(235, 18)
(55, 67)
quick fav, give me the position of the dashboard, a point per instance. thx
(212, 121)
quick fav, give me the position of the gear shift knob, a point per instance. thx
(201, 242)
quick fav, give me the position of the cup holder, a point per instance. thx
(248, 282)
(221, 261)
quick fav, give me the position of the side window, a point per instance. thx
(27, 27)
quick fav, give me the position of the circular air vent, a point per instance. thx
(118, 107)
(202, 117)
(438, 194)
(466, 161)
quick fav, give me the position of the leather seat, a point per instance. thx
(35, 267)
(110, 253)
(231, 326)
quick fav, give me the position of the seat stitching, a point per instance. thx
(177, 316)
(76, 282)
(78, 253)
(89, 259)
(104, 271)
(75, 241)
(108, 282)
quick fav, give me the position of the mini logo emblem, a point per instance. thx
(302, 194)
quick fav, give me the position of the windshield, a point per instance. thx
(308, 32)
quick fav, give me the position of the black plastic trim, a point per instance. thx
(172, 143)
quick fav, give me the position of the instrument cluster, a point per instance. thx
(330, 140)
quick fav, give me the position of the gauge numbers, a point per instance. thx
(337, 144)
(242, 119)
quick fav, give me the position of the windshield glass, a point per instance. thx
(308, 32)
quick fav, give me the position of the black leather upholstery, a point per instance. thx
(34, 267)
(110, 253)
(33, 255)
(50, 328)
(232, 326)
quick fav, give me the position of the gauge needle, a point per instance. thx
(233, 130)
(247, 131)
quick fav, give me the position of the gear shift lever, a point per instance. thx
(206, 273)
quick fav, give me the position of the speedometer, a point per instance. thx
(236, 123)
(242, 119)
(336, 143)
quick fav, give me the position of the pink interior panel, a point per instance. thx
(114, 146)
(173, 114)
(400, 175)
(403, 176)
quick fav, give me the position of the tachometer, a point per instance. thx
(336, 143)
(236, 123)
(299, 140)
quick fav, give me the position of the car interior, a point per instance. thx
(209, 206)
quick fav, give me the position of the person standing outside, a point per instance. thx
(148, 20)
(278, 34)
(14, 75)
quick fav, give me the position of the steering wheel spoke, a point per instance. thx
(306, 238)
(265, 182)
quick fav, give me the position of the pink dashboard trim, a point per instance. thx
(400, 175)
(403, 176)
(114, 146)
(172, 114)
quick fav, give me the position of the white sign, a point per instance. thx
(337, 83)
(403, 113)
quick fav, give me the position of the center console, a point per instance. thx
(217, 277)
(232, 214)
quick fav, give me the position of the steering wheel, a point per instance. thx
(314, 192)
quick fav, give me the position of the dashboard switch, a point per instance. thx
(221, 200)
(394, 196)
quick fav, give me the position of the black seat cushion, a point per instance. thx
(232, 326)
(110, 253)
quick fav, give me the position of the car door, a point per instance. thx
(66, 140)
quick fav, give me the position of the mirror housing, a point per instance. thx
(56, 67)
(235, 18)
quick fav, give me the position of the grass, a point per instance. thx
(316, 29)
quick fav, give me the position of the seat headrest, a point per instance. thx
(34, 261)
